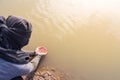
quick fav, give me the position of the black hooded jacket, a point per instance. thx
(14, 34)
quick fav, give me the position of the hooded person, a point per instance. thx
(16, 32)
(14, 35)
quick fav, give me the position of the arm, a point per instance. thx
(19, 56)
(15, 56)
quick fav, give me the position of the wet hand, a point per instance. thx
(41, 50)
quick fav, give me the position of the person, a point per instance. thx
(14, 62)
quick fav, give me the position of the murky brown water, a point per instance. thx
(82, 36)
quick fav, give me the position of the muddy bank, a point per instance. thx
(46, 73)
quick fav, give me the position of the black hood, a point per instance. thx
(15, 32)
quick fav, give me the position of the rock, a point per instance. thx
(46, 74)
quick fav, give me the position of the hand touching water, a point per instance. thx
(41, 50)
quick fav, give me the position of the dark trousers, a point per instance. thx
(17, 78)
(35, 61)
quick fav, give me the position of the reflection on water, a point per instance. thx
(82, 35)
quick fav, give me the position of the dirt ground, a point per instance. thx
(46, 73)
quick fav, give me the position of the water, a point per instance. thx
(82, 36)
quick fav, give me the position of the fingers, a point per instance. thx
(41, 50)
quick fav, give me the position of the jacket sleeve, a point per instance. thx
(15, 56)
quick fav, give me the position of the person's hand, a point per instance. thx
(41, 50)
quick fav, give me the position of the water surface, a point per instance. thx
(82, 36)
